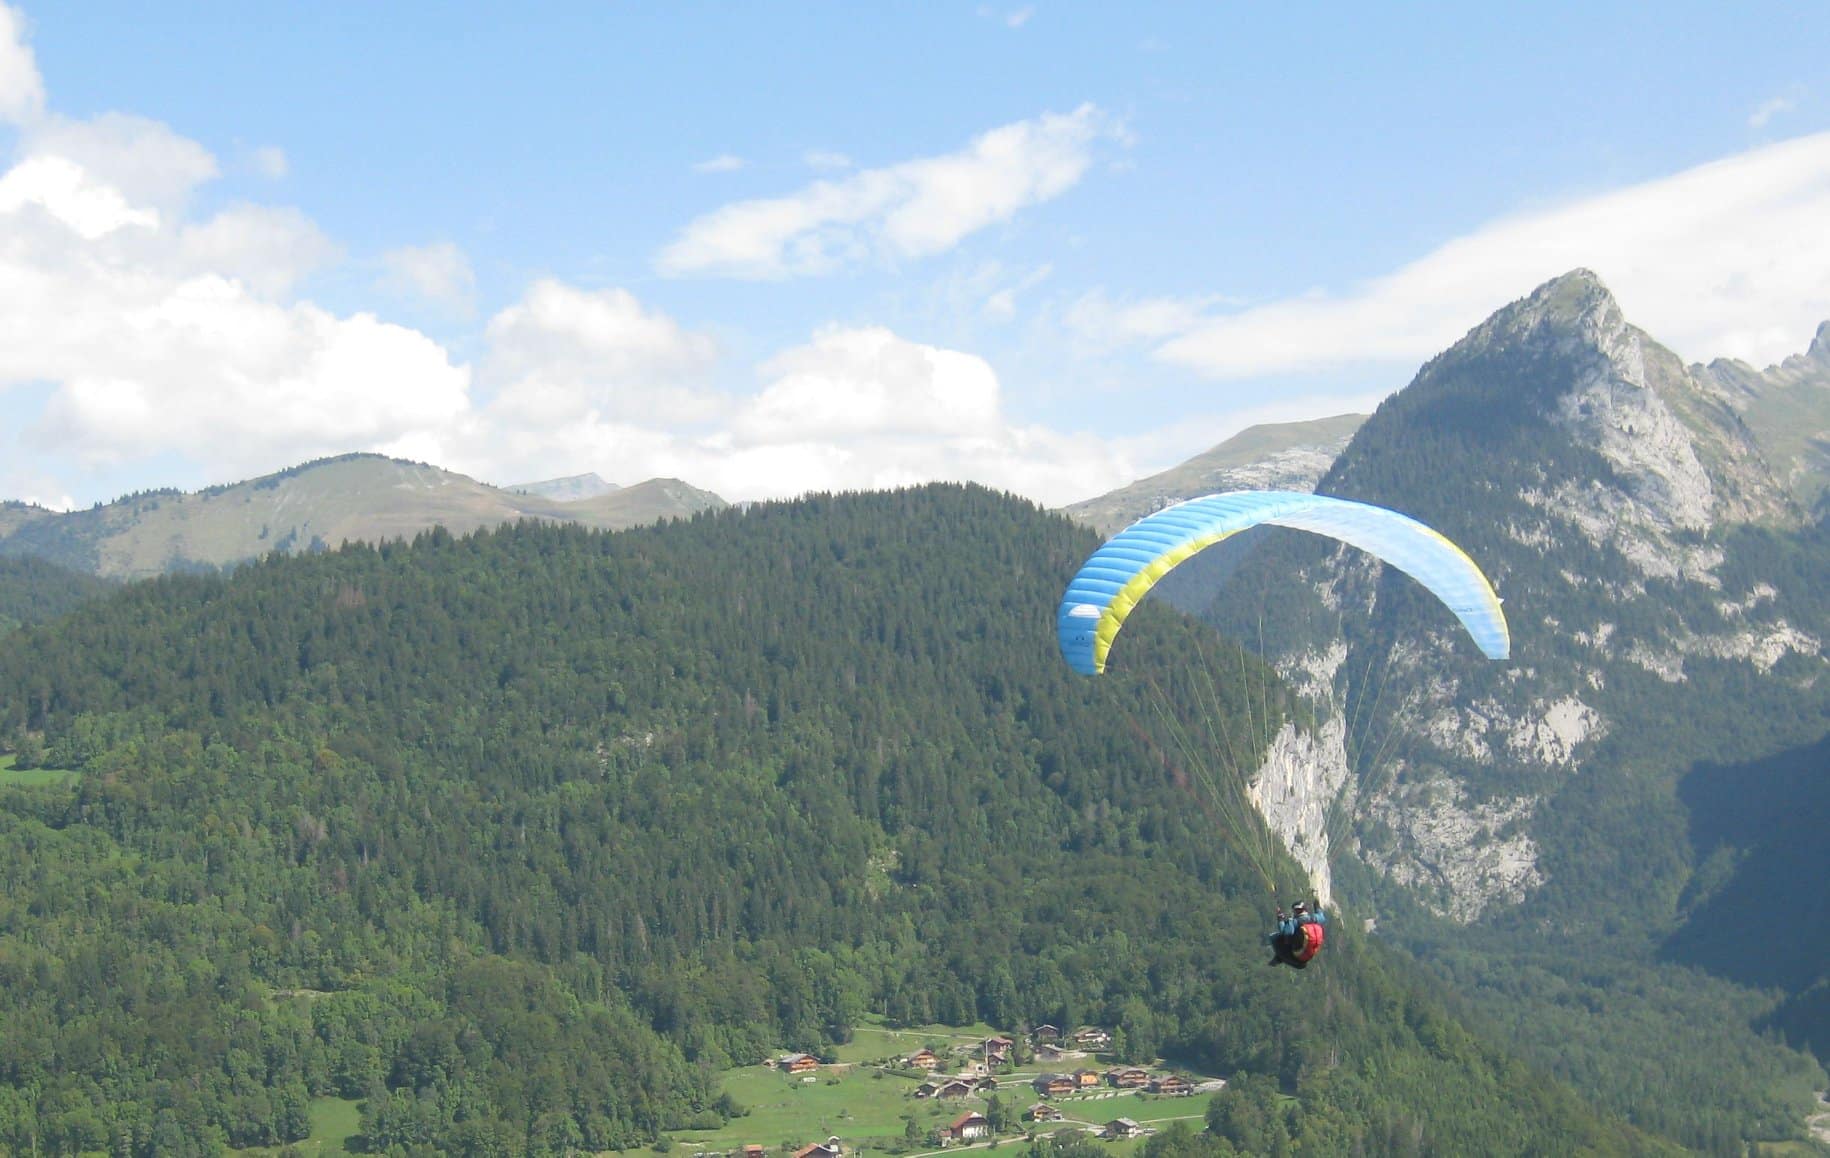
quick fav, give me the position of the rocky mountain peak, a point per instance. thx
(1572, 311)
(1670, 434)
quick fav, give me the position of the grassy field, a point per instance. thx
(333, 1122)
(855, 1105)
(33, 777)
(872, 1041)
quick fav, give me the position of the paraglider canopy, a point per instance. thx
(1115, 578)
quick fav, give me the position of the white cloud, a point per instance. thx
(850, 382)
(145, 161)
(270, 162)
(1726, 259)
(199, 363)
(723, 163)
(69, 195)
(563, 354)
(267, 249)
(865, 408)
(438, 273)
(21, 88)
(914, 209)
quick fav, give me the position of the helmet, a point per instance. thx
(1299, 907)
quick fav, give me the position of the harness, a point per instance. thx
(1312, 938)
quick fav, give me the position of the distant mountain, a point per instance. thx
(1273, 456)
(569, 489)
(319, 505)
(1787, 407)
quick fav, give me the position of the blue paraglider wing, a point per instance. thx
(1118, 575)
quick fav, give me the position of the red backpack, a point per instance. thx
(1312, 941)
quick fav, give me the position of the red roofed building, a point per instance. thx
(968, 1126)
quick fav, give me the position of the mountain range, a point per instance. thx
(319, 505)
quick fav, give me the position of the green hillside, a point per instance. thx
(520, 839)
(33, 591)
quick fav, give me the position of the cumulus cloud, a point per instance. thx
(143, 160)
(850, 382)
(723, 163)
(63, 191)
(1726, 259)
(864, 408)
(269, 250)
(438, 273)
(910, 210)
(563, 354)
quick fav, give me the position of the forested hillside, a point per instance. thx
(33, 591)
(520, 838)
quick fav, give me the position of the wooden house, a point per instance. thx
(1128, 1077)
(1122, 1128)
(1092, 1037)
(924, 1059)
(1171, 1084)
(968, 1126)
(1086, 1078)
(1045, 1033)
(1054, 1085)
(1042, 1112)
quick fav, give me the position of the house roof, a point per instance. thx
(966, 1118)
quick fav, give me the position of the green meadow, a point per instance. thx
(334, 1121)
(33, 777)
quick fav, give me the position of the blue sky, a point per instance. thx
(774, 248)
